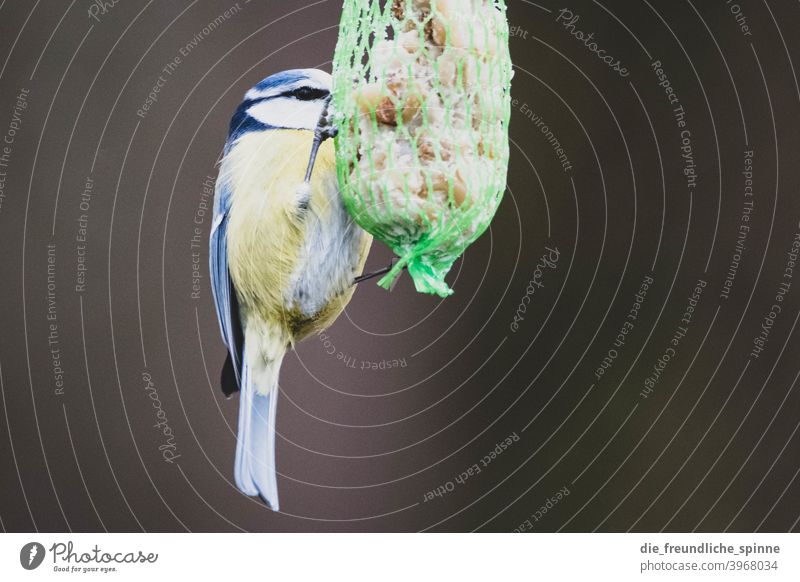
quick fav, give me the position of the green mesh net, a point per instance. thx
(421, 98)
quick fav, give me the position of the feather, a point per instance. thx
(222, 289)
(265, 347)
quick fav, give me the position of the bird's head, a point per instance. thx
(291, 99)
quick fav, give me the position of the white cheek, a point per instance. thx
(287, 112)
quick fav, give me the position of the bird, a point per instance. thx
(284, 252)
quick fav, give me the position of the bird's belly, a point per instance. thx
(332, 255)
(292, 265)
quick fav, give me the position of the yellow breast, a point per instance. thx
(266, 229)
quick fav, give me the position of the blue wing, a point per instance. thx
(223, 290)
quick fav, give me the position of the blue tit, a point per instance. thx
(284, 252)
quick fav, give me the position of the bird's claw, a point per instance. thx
(378, 273)
(325, 129)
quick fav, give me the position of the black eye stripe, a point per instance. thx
(306, 93)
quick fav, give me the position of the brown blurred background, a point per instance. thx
(407, 393)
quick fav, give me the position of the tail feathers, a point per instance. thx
(255, 451)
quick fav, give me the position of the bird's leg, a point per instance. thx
(378, 273)
(324, 130)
